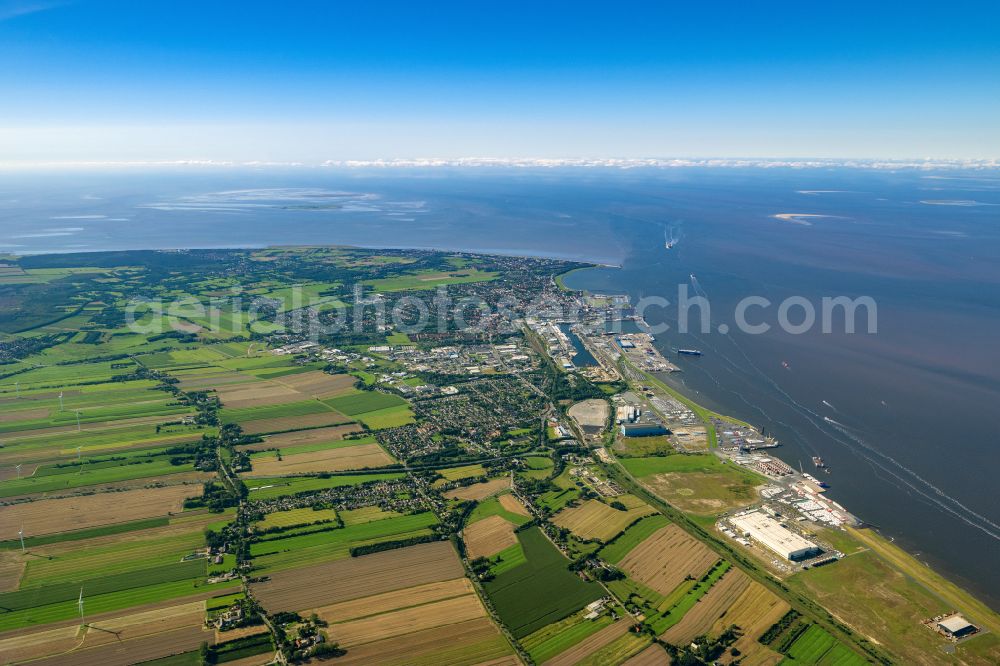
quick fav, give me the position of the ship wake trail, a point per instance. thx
(671, 236)
(916, 483)
(697, 287)
(939, 497)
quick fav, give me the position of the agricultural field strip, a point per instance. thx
(710, 607)
(49, 516)
(590, 644)
(596, 520)
(407, 620)
(388, 602)
(472, 642)
(488, 537)
(664, 559)
(124, 627)
(359, 456)
(346, 579)
(540, 591)
(479, 491)
(754, 612)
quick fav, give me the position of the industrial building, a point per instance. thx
(627, 414)
(769, 532)
(956, 626)
(643, 429)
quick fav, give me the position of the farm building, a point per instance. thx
(770, 533)
(956, 626)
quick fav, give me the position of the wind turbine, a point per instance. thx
(78, 420)
(60, 401)
(20, 534)
(18, 468)
(79, 605)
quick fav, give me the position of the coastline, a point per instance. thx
(899, 558)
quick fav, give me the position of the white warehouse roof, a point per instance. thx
(955, 624)
(769, 532)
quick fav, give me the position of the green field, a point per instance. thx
(430, 280)
(29, 597)
(360, 402)
(390, 417)
(536, 467)
(491, 507)
(463, 472)
(304, 516)
(276, 487)
(48, 479)
(319, 546)
(103, 603)
(76, 535)
(556, 500)
(701, 483)
(816, 646)
(273, 411)
(540, 591)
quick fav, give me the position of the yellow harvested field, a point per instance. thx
(24, 415)
(595, 520)
(318, 383)
(474, 642)
(753, 612)
(241, 632)
(479, 491)
(304, 516)
(211, 380)
(487, 537)
(134, 651)
(342, 580)
(286, 423)
(83, 548)
(256, 394)
(289, 440)
(255, 660)
(389, 601)
(52, 642)
(709, 608)
(327, 460)
(654, 655)
(76, 513)
(512, 504)
(366, 514)
(283, 390)
(591, 644)
(11, 567)
(666, 558)
(407, 620)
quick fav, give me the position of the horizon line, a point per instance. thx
(556, 162)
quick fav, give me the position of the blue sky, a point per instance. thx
(309, 81)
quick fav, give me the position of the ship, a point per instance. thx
(668, 242)
(689, 352)
(818, 462)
